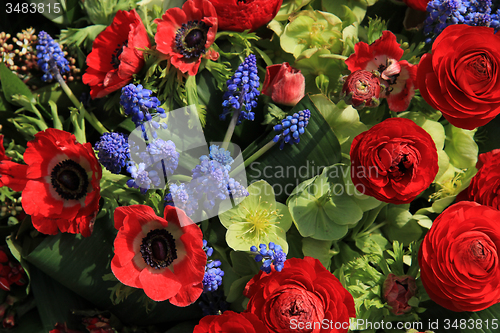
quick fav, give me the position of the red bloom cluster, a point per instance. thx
(115, 55)
(461, 77)
(302, 294)
(397, 76)
(417, 4)
(394, 161)
(59, 183)
(98, 324)
(458, 258)
(162, 256)
(11, 272)
(183, 35)
(231, 322)
(484, 187)
(238, 15)
(397, 292)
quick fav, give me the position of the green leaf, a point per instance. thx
(320, 250)
(285, 169)
(79, 36)
(345, 8)
(322, 209)
(342, 118)
(29, 323)
(12, 85)
(401, 225)
(55, 302)
(192, 99)
(244, 263)
(460, 147)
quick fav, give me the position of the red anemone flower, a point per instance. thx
(398, 77)
(185, 34)
(241, 15)
(60, 183)
(3, 157)
(115, 55)
(163, 256)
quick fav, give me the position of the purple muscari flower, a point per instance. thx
(212, 279)
(274, 256)
(51, 59)
(241, 95)
(113, 151)
(292, 127)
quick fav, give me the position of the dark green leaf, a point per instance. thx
(285, 169)
(12, 85)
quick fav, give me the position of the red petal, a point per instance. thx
(160, 286)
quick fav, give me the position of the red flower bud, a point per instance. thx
(9, 321)
(361, 89)
(397, 292)
(284, 84)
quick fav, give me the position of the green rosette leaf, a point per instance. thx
(321, 208)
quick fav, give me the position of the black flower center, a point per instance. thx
(190, 39)
(70, 180)
(115, 57)
(158, 248)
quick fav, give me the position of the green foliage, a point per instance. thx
(102, 12)
(321, 208)
(287, 168)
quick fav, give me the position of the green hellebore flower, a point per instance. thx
(258, 219)
(310, 31)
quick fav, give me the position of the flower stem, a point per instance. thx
(230, 129)
(252, 158)
(90, 117)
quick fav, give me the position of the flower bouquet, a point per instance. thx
(250, 166)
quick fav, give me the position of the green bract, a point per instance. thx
(258, 219)
(310, 31)
(322, 208)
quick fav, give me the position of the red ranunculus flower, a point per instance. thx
(300, 298)
(361, 89)
(231, 322)
(417, 4)
(459, 258)
(184, 35)
(115, 55)
(163, 256)
(3, 157)
(397, 292)
(394, 161)
(398, 77)
(284, 84)
(238, 15)
(60, 183)
(461, 77)
(484, 187)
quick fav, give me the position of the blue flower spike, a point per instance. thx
(113, 151)
(274, 256)
(51, 59)
(213, 274)
(292, 127)
(241, 95)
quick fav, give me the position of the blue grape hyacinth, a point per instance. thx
(138, 102)
(241, 95)
(443, 13)
(113, 151)
(274, 256)
(212, 279)
(292, 127)
(51, 59)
